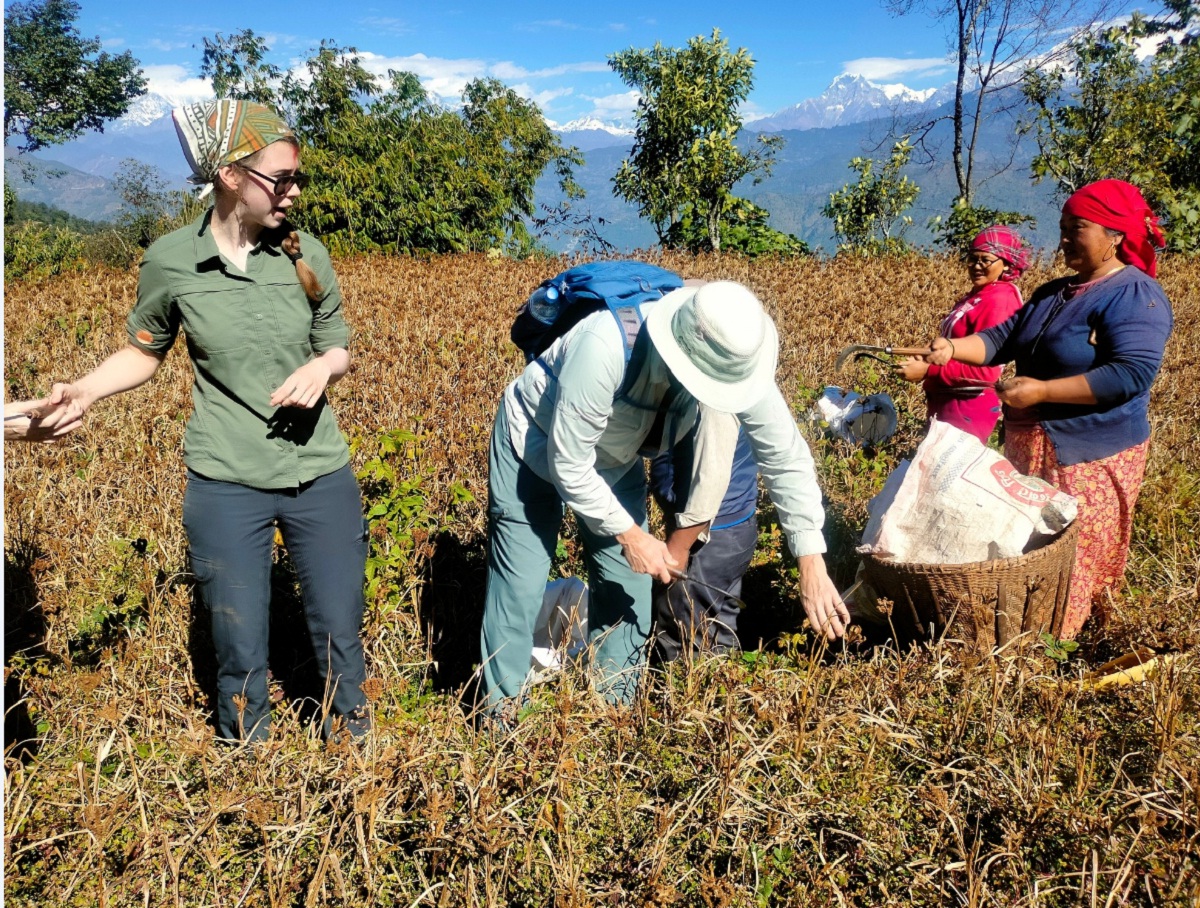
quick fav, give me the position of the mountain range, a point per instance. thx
(852, 117)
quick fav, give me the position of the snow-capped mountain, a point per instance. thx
(149, 109)
(591, 124)
(588, 133)
(143, 111)
(851, 99)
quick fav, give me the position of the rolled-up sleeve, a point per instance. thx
(587, 383)
(329, 328)
(787, 469)
(153, 324)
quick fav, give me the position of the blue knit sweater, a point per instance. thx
(1113, 333)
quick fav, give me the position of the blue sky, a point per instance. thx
(553, 53)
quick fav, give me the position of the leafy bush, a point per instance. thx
(965, 222)
(868, 216)
(743, 229)
(39, 250)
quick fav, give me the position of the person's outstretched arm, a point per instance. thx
(126, 369)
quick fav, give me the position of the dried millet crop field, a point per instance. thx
(862, 775)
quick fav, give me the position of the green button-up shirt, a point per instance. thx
(246, 333)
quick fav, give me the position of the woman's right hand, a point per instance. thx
(941, 351)
(647, 554)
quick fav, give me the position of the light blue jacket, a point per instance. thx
(573, 424)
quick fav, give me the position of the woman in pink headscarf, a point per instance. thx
(995, 260)
(1087, 349)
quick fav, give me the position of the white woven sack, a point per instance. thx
(959, 501)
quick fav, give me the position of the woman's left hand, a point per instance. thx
(304, 387)
(912, 369)
(1022, 392)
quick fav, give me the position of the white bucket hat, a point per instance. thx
(717, 340)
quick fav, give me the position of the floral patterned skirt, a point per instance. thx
(1107, 491)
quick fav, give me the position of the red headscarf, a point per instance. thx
(1119, 206)
(1004, 243)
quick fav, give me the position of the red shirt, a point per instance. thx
(974, 413)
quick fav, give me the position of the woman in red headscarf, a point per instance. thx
(1087, 348)
(995, 260)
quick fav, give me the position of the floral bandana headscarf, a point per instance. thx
(216, 133)
(1004, 243)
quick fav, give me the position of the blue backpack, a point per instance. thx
(559, 303)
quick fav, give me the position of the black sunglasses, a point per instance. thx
(280, 185)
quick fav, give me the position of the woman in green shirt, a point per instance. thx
(260, 308)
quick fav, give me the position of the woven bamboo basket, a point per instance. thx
(983, 604)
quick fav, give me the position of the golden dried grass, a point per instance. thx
(864, 777)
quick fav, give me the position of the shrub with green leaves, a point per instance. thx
(868, 216)
(38, 250)
(965, 222)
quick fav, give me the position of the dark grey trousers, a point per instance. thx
(231, 538)
(691, 619)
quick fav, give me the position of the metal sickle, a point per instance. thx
(680, 575)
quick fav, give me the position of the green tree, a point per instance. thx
(238, 68)
(1112, 115)
(868, 216)
(150, 207)
(685, 148)
(331, 95)
(991, 43)
(964, 223)
(392, 170)
(56, 83)
(744, 230)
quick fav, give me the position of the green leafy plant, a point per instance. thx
(868, 216)
(1058, 650)
(400, 517)
(35, 250)
(965, 221)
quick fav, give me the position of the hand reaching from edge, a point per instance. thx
(28, 420)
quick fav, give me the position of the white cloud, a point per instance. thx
(175, 82)
(167, 46)
(387, 25)
(506, 70)
(443, 79)
(553, 23)
(618, 107)
(886, 68)
(566, 25)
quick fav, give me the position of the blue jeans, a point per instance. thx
(231, 538)
(525, 515)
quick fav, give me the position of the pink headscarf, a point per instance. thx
(1120, 206)
(1004, 243)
